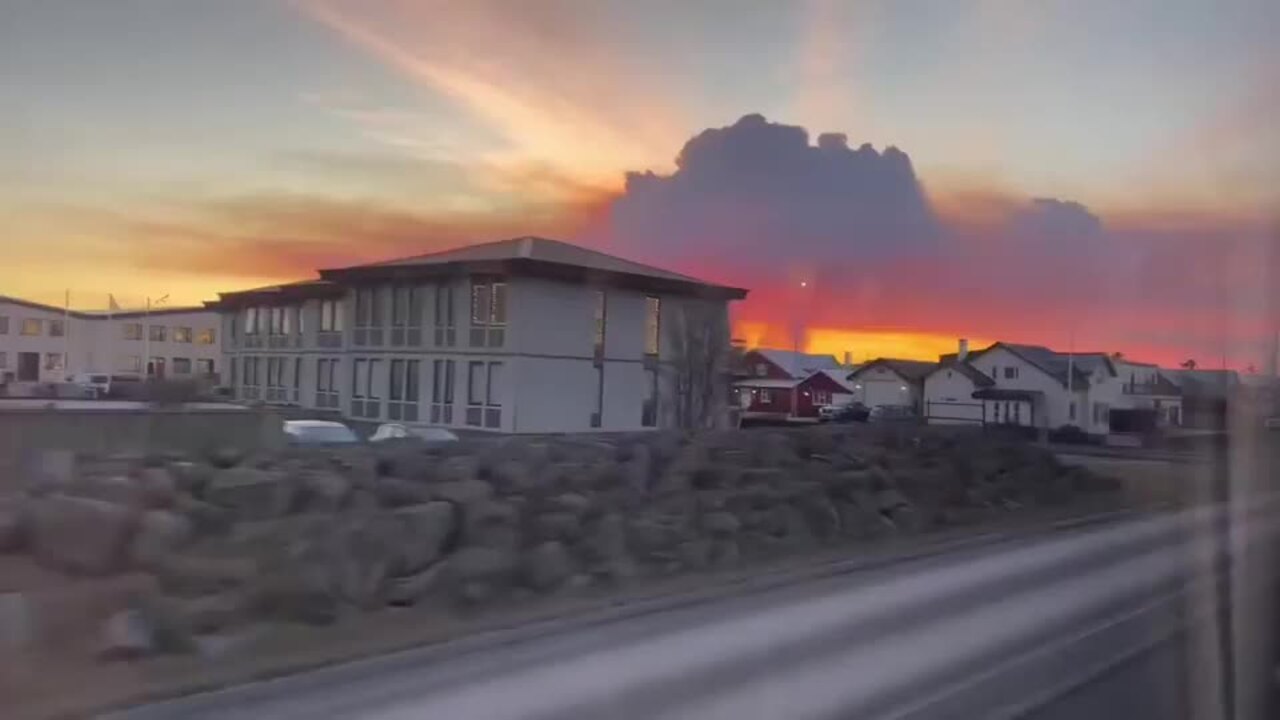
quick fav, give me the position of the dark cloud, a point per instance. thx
(762, 191)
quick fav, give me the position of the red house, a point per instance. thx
(785, 385)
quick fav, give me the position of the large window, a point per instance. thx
(57, 328)
(181, 335)
(181, 366)
(652, 325)
(54, 361)
(442, 391)
(207, 336)
(649, 411)
(406, 316)
(4, 324)
(157, 333)
(4, 360)
(367, 311)
(130, 363)
(402, 390)
(327, 383)
(364, 388)
(251, 321)
(331, 316)
(132, 331)
(601, 325)
(488, 313)
(204, 367)
(297, 379)
(445, 332)
(32, 326)
(484, 401)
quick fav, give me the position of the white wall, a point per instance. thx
(881, 385)
(1052, 413)
(950, 386)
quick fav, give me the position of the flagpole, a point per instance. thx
(146, 342)
(66, 331)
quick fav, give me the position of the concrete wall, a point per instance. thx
(129, 429)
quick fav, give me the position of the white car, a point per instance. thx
(95, 385)
(396, 431)
(319, 433)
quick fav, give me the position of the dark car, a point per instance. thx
(849, 412)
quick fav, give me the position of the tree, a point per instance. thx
(698, 338)
(1189, 364)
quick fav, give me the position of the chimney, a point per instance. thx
(962, 353)
(848, 360)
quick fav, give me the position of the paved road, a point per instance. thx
(1081, 624)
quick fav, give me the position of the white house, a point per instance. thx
(42, 343)
(1033, 386)
(890, 381)
(527, 335)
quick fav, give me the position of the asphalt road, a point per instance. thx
(1086, 623)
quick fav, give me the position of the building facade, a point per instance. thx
(528, 335)
(46, 344)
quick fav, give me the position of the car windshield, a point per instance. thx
(323, 434)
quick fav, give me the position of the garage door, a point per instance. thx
(884, 392)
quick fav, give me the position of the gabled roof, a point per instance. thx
(910, 370)
(1202, 383)
(753, 382)
(1055, 364)
(533, 255)
(979, 378)
(798, 362)
(837, 376)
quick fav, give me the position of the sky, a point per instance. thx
(885, 176)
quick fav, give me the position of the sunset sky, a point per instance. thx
(1093, 172)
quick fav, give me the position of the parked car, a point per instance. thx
(396, 431)
(847, 412)
(94, 385)
(891, 413)
(319, 433)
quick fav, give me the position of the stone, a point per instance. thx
(720, 524)
(548, 566)
(157, 487)
(188, 575)
(514, 476)
(427, 528)
(160, 533)
(127, 635)
(225, 457)
(116, 489)
(463, 492)
(575, 503)
(50, 471)
(302, 591)
(695, 554)
(12, 532)
(251, 493)
(461, 469)
(491, 524)
(724, 552)
(638, 471)
(821, 515)
(80, 535)
(889, 499)
(210, 613)
(325, 491)
(409, 589)
(482, 564)
(205, 518)
(651, 537)
(563, 526)
(607, 538)
(190, 477)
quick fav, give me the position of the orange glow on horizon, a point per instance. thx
(862, 344)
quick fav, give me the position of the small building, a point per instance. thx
(784, 364)
(890, 381)
(42, 343)
(790, 399)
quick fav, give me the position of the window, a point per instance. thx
(32, 326)
(1011, 373)
(57, 328)
(371, 383)
(395, 383)
(4, 324)
(4, 360)
(488, 313)
(156, 333)
(1101, 413)
(475, 383)
(484, 383)
(649, 412)
(204, 367)
(207, 336)
(181, 366)
(182, 334)
(54, 361)
(326, 382)
(402, 390)
(132, 331)
(331, 316)
(297, 376)
(131, 363)
(442, 391)
(821, 397)
(359, 378)
(299, 312)
(601, 319)
(286, 320)
(251, 321)
(367, 311)
(1071, 410)
(155, 368)
(404, 300)
(652, 325)
(445, 334)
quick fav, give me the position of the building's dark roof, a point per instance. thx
(910, 370)
(1055, 364)
(290, 291)
(104, 314)
(798, 363)
(538, 256)
(1212, 384)
(979, 378)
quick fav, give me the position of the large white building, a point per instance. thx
(44, 344)
(527, 335)
(1033, 386)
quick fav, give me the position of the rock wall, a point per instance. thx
(304, 536)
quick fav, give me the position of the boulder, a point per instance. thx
(225, 457)
(548, 566)
(160, 533)
(397, 492)
(251, 493)
(563, 526)
(325, 491)
(209, 613)
(724, 552)
(654, 538)
(80, 535)
(463, 492)
(127, 635)
(189, 575)
(117, 489)
(205, 518)
(190, 478)
(695, 554)
(157, 487)
(491, 524)
(575, 503)
(460, 469)
(486, 565)
(50, 471)
(514, 476)
(427, 529)
(822, 517)
(409, 589)
(720, 524)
